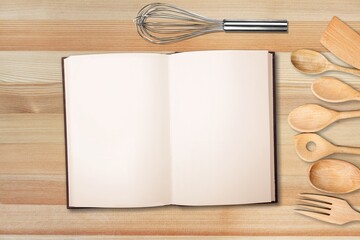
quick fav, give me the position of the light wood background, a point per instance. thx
(34, 35)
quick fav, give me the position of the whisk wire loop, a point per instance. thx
(163, 23)
(158, 22)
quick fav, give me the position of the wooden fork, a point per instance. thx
(327, 209)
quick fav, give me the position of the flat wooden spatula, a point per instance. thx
(342, 41)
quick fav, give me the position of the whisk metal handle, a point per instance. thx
(255, 25)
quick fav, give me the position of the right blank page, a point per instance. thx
(221, 142)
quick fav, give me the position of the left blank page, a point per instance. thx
(117, 127)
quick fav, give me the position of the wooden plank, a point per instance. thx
(50, 189)
(44, 181)
(49, 128)
(102, 237)
(305, 10)
(32, 158)
(31, 128)
(33, 189)
(121, 35)
(37, 87)
(31, 98)
(171, 220)
(30, 66)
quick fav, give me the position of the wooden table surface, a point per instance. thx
(35, 34)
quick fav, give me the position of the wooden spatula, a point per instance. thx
(342, 41)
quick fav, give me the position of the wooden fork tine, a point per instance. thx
(316, 215)
(314, 209)
(322, 198)
(315, 203)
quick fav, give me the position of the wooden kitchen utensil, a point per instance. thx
(311, 147)
(334, 176)
(313, 117)
(333, 90)
(312, 62)
(342, 41)
(326, 208)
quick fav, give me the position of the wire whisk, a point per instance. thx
(162, 23)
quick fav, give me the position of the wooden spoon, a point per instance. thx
(313, 117)
(311, 147)
(334, 176)
(333, 90)
(312, 62)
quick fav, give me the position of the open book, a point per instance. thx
(147, 129)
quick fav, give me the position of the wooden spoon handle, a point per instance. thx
(349, 114)
(349, 150)
(356, 216)
(353, 71)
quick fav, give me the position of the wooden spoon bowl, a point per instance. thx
(333, 90)
(334, 176)
(311, 147)
(313, 117)
(308, 61)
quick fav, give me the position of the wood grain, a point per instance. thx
(32, 158)
(36, 34)
(94, 237)
(32, 128)
(57, 220)
(121, 35)
(305, 10)
(342, 41)
(31, 98)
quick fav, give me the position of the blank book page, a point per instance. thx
(117, 115)
(220, 127)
